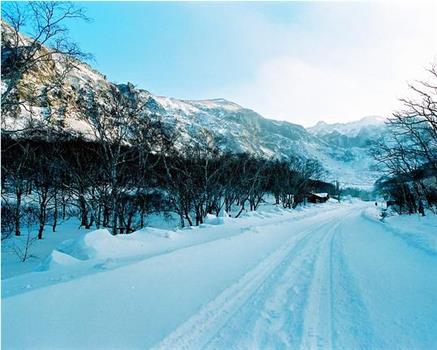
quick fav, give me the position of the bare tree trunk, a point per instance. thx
(83, 212)
(90, 222)
(241, 210)
(55, 213)
(42, 220)
(187, 216)
(106, 213)
(142, 217)
(99, 216)
(17, 214)
(64, 209)
(114, 216)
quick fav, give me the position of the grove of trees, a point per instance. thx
(409, 154)
(115, 184)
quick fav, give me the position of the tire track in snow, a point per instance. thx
(272, 309)
(354, 329)
(335, 316)
(318, 319)
(203, 326)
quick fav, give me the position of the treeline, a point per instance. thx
(409, 155)
(118, 185)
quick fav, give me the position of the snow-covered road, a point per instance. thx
(335, 279)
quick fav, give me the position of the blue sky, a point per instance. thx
(295, 61)
(181, 49)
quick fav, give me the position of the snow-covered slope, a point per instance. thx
(234, 128)
(354, 140)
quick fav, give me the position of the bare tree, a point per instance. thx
(21, 248)
(409, 156)
(127, 138)
(16, 157)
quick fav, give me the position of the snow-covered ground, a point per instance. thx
(68, 232)
(326, 276)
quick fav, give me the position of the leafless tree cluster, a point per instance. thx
(409, 156)
(115, 183)
(205, 181)
(65, 177)
(127, 139)
(291, 181)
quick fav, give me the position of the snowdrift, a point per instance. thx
(416, 230)
(57, 260)
(101, 244)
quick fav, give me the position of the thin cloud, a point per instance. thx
(343, 67)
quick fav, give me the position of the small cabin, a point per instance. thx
(318, 197)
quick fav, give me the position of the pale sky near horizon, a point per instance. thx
(295, 61)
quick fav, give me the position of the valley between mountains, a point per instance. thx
(136, 221)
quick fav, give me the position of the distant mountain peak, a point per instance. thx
(320, 123)
(373, 119)
(350, 129)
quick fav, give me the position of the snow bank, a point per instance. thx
(216, 220)
(373, 214)
(416, 230)
(57, 260)
(88, 252)
(100, 244)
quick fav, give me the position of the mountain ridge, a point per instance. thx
(233, 127)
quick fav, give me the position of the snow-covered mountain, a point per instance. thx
(234, 128)
(350, 129)
(360, 133)
(341, 148)
(350, 143)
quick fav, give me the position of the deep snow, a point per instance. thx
(327, 276)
